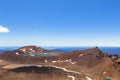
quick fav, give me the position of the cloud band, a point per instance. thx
(4, 29)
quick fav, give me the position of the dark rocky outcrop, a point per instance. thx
(39, 73)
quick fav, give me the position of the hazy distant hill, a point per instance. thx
(1, 51)
(109, 50)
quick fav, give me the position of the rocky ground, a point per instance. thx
(91, 64)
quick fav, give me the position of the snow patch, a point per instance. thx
(88, 78)
(104, 72)
(80, 55)
(31, 49)
(17, 53)
(54, 61)
(64, 69)
(73, 62)
(72, 77)
(24, 50)
(46, 61)
(66, 60)
(69, 60)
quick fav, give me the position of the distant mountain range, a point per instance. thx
(109, 50)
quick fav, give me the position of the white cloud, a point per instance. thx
(4, 29)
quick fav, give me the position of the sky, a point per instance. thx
(60, 22)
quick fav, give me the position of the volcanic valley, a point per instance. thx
(36, 63)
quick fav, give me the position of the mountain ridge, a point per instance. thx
(91, 62)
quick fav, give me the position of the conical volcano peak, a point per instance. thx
(95, 50)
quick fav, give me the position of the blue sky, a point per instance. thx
(60, 22)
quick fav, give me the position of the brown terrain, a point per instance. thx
(91, 64)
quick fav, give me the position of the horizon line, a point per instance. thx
(54, 46)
